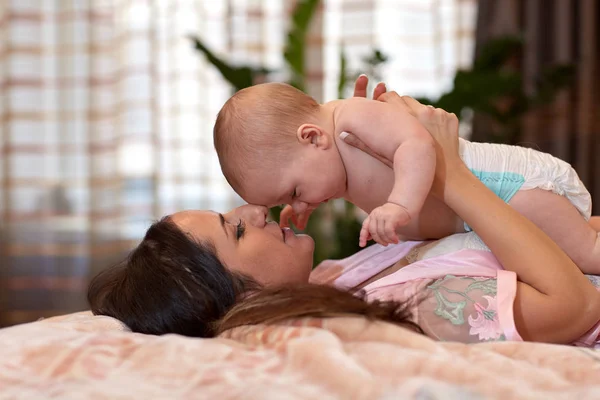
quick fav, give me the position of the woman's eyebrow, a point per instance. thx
(222, 219)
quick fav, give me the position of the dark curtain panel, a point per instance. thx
(554, 31)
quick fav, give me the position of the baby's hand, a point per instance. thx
(382, 223)
(299, 220)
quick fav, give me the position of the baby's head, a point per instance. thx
(275, 146)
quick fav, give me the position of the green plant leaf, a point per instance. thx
(551, 81)
(343, 80)
(376, 58)
(497, 51)
(239, 77)
(494, 88)
(294, 50)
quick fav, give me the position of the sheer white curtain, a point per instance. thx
(107, 114)
(425, 41)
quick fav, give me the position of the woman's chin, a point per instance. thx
(307, 240)
(304, 246)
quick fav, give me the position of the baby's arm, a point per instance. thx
(400, 137)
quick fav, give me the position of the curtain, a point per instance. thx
(425, 41)
(556, 31)
(107, 112)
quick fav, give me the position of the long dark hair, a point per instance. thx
(275, 305)
(172, 283)
(169, 284)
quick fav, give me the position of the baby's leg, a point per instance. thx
(595, 223)
(560, 220)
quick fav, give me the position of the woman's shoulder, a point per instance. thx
(355, 269)
(464, 253)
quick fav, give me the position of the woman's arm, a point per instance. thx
(555, 302)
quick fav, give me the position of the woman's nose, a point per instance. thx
(251, 214)
(258, 216)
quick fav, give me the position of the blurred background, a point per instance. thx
(107, 108)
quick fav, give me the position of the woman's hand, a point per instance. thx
(360, 87)
(360, 90)
(554, 301)
(442, 126)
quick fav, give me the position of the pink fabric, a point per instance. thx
(461, 263)
(355, 269)
(352, 271)
(507, 291)
(85, 357)
(591, 338)
(415, 278)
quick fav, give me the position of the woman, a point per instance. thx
(199, 273)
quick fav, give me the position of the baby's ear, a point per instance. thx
(311, 134)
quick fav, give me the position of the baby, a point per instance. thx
(277, 145)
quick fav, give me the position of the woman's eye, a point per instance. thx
(240, 229)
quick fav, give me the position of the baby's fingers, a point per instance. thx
(302, 220)
(381, 232)
(390, 232)
(286, 214)
(364, 233)
(385, 232)
(375, 231)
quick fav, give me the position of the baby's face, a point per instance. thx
(307, 178)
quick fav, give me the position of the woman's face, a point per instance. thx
(245, 243)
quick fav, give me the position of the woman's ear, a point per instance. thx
(311, 134)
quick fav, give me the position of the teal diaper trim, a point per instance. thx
(504, 184)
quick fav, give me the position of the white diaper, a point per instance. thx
(508, 169)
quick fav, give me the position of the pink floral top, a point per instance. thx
(461, 291)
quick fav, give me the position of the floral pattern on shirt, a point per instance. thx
(486, 324)
(480, 294)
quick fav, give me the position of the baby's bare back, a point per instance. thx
(369, 185)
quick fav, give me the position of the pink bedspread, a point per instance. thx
(80, 356)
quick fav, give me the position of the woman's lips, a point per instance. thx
(286, 233)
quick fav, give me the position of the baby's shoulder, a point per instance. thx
(336, 106)
(351, 104)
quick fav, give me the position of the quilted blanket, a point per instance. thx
(81, 356)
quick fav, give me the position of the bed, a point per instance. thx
(84, 356)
